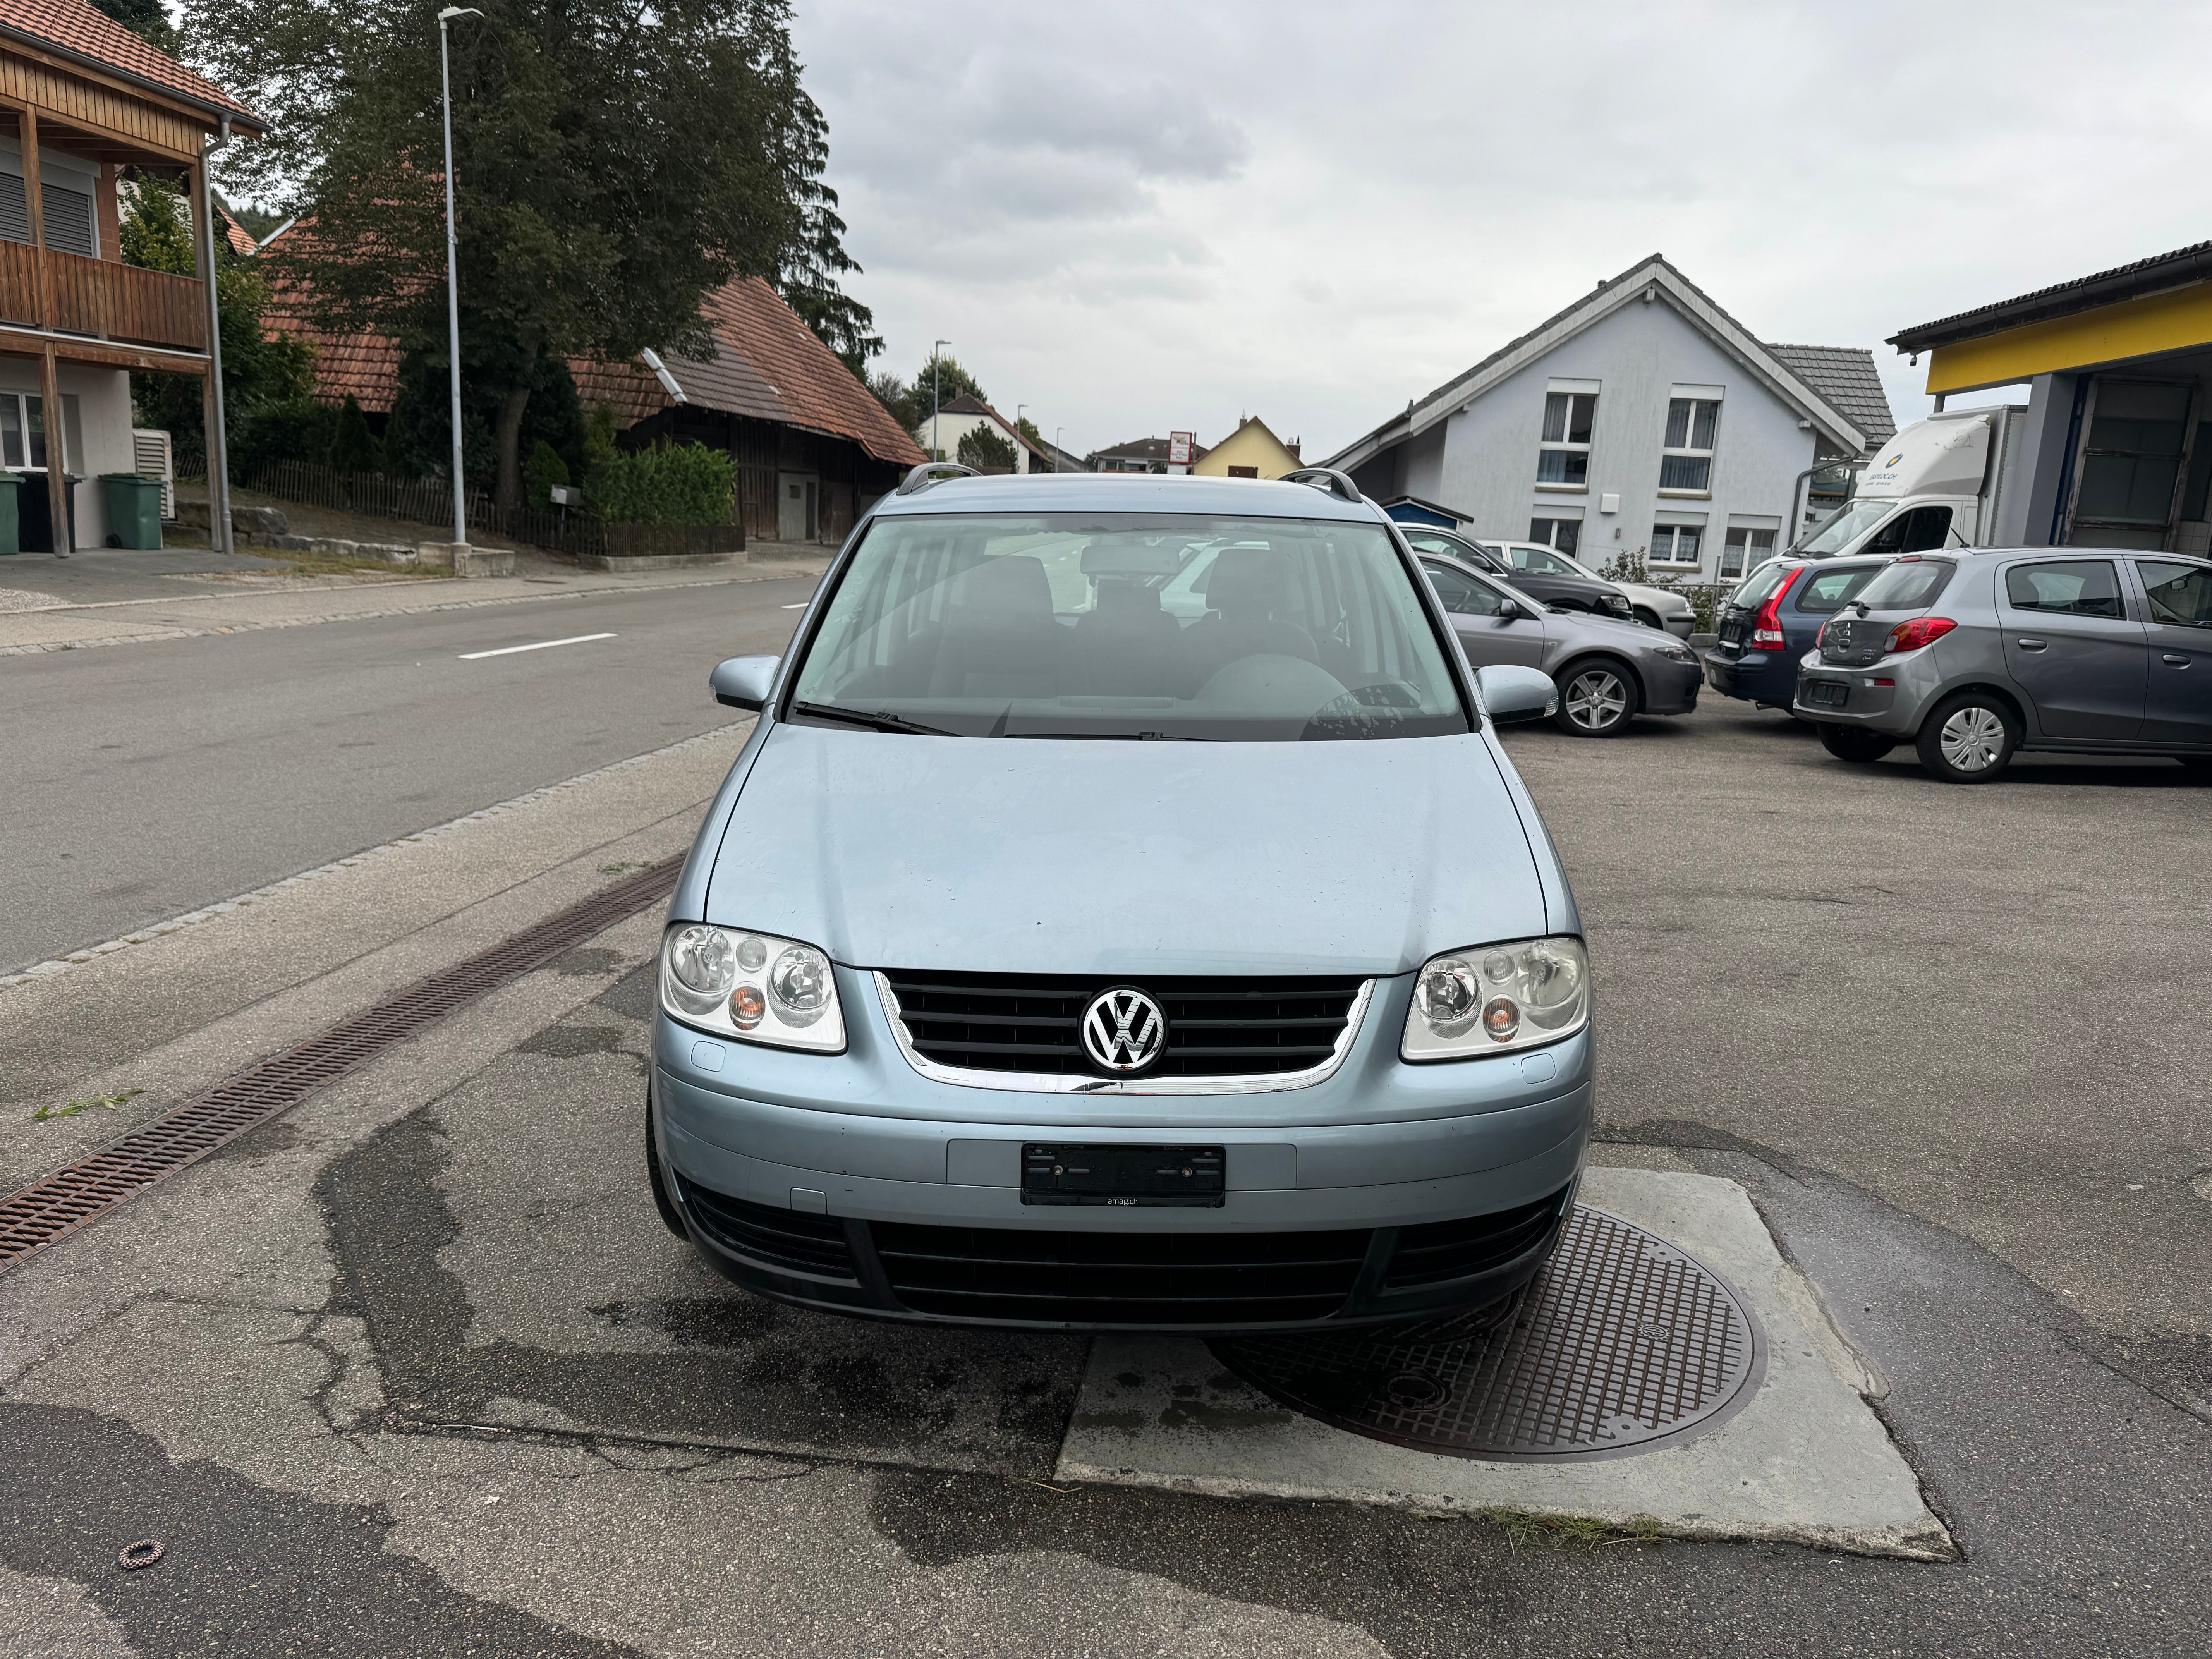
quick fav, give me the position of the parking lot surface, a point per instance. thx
(416, 1369)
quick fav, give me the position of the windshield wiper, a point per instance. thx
(1117, 736)
(878, 721)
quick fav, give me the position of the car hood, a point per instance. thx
(1045, 855)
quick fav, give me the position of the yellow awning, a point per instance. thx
(2176, 321)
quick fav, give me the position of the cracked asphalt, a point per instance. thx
(415, 1369)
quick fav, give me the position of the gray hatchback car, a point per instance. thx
(1608, 671)
(1974, 655)
(1051, 959)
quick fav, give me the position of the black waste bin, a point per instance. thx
(133, 501)
(34, 511)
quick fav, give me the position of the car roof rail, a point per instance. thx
(1328, 478)
(932, 472)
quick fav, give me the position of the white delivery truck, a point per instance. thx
(1943, 482)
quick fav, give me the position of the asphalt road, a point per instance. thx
(145, 780)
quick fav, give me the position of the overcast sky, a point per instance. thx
(1135, 218)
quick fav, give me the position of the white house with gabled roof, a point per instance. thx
(1642, 418)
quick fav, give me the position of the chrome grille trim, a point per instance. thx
(1048, 1082)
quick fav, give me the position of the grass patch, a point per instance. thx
(1561, 1532)
(106, 1102)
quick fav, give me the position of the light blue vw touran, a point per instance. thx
(1123, 916)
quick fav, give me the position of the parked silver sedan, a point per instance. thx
(1608, 673)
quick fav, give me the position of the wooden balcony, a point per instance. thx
(103, 299)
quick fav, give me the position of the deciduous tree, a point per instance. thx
(613, 165)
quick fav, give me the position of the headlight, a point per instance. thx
(1494, 998)
(1679, 652)
(754, 987)
(1618, 603)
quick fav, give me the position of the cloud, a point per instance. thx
(1136, 217)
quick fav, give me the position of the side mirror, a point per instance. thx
(744, 682)
(1511, 693)
(1512, 610)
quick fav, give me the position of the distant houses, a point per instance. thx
(1251, 451)
(966, 414)
(1641, 419)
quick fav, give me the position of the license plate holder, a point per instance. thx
(1123, 1177)
(1731, 633)
(1828, 694)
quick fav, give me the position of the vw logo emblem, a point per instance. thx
(1123, 1031)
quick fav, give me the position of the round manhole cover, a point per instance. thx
(1620, 1343)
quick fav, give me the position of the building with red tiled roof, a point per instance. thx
(83, 101)
(812, 446)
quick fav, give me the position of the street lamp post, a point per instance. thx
(452, 271)
(1056, 431)
(935, 352)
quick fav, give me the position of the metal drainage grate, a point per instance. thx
(66, 1200)
(1621, 1343)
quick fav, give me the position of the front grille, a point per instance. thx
(789, 1239)
(1204, 1280)
(1442, 1250)
(1029, 1022)
(1853, 641)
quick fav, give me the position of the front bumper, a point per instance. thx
(1671, 687)
(1388, 1192)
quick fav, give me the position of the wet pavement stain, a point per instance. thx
(567, 1042)
(588, 962)
(245, 1569)
(746, 1373)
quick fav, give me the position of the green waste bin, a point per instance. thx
(134, 508)
(11, 527)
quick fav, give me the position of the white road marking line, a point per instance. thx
(542, 645)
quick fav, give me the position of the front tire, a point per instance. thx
(1597, 699)
(1970, 738)
(1648, 616)
(1855, 743)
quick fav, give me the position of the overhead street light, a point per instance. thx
(452, 271)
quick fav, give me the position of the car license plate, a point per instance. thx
(1828, 694)
(1731, 633)
(1123, 1177)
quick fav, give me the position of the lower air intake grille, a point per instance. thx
(789, 1239)
(1216, 1027)
(1204, 1280)
(1443, 1250)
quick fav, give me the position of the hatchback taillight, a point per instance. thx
(1766, 631)
(1912, 635)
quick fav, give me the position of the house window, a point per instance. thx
(1564, 461)
(1688, 463)
(1560, 533)
(1675, 543)
(1243, 471)
(1745, 550)
(22, 432)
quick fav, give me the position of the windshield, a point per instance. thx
(1540, 560)
(1850, 522)
(1908, 585)
(1128, 625)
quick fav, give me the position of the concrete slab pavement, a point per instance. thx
(1805, 1460)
